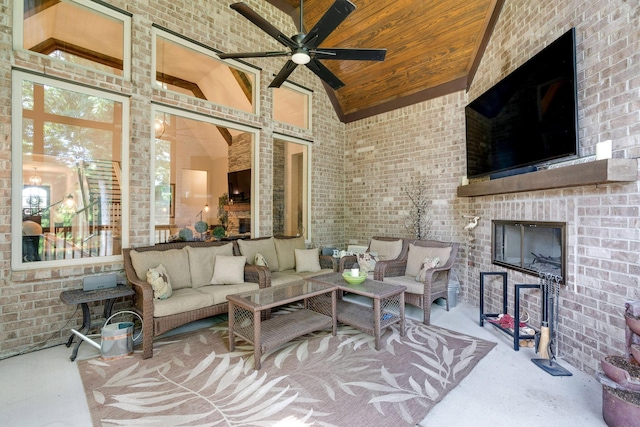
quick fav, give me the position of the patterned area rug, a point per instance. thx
(319, 379)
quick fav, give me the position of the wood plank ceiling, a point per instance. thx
(433, 48)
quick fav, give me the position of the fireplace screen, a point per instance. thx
(530, 247)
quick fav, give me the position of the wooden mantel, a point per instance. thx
(605, 171)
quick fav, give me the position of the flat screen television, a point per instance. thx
(240, 186)
(528, 118)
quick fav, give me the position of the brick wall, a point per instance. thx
(30, 309)
(427, 140)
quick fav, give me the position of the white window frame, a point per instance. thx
(308, 166)
(309, 94)
(17, 181)
(158, 32)
(18, 33)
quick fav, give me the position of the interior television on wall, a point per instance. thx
(240, 186)
(528, 118)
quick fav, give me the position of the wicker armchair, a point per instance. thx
(376, 242)
(143, 298)
(436, 282)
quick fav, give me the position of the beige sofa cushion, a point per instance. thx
(182, 301)
(266, 247)
(285, 250)
(417, 254)
(279, 278)
(176, 261)
(219, 292)
(386, 250)
(202, 262)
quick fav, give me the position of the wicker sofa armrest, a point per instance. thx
(346, 262)
(257, 274)
(327, 261)
(391, 268)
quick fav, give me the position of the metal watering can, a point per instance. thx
(116, 338)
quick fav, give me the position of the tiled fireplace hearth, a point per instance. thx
(530, 246)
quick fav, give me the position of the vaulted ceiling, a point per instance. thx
(433, 48)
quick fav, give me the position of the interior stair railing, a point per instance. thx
(94, 230)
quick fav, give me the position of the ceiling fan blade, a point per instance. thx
(333, 17)
(263, 24)
(283, 74)
(325, 74)
(351, 54)
(253, 54)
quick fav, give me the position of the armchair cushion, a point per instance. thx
(266, 247)
(307, 260)
(418, 253)
(386, 249)
(229, 270)
(202, 262)
(285, 251)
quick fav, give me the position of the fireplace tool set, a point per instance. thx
(546, 340)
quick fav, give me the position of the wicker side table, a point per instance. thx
(388, 305)
(78, 296)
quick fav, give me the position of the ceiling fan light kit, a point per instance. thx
(303, 48)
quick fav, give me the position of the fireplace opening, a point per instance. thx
(530, 246)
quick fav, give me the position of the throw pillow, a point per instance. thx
(307, 260)
(160, 282)
(285, 251)
(367, 261)
(261, 260)
(228, 270)
(427, 264)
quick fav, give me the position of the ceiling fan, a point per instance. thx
(303, 48)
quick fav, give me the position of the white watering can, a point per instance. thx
(116, 339)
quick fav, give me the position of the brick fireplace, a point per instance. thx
(532, 247)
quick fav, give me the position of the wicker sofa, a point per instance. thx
(287, 259)
(190, 267)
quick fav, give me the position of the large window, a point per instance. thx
(292, 105)
(81, 32)
(291, 197)
(192, 69)
(69, 163)
(202, 173)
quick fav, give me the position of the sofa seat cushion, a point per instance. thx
(182, 301)
(202, 262)
(285, 249)
(266, 247)
(279, 278)
(175, 261)
(414, 287)
(308, 274)
(219, 292)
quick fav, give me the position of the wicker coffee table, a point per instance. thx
(388, 304)
(246, 311)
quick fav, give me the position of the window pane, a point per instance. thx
(291, 106)
(189, 69)
(290, 187)
(71, 172)
(194, 162)
(98, 43)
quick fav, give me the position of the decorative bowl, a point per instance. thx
(354, 280)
